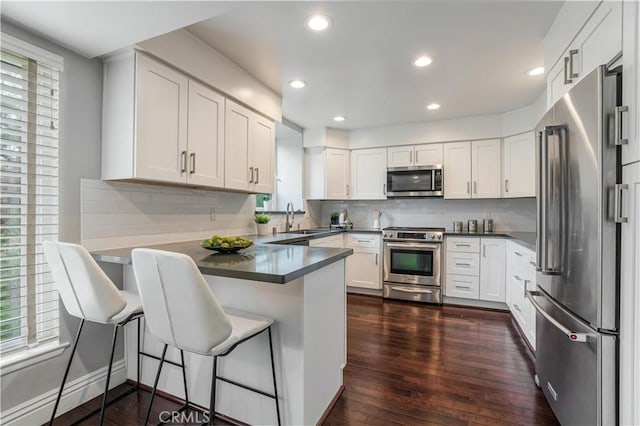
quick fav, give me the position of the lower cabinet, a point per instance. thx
(521, 276)
(475, 268)
(330, 241)
(364, 267)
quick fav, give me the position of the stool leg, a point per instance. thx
(273, 372)
(155, 385)
(212, 403)
(106, 386)
(66, 371)
(184, 379)
(139, 356)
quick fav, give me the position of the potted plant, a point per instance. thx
(262, 221)
(334, 218)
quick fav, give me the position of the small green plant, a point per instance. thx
(262, 218)
(335, 215)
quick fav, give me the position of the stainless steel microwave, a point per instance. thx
(414, 182)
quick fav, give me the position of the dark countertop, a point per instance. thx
(525, 239)
(274, 263)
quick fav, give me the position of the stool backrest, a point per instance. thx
(179, 307)
(86, 291)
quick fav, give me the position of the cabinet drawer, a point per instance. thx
(463, 263)
(463, 286)
(362, 240)
(333, 241)
(463, 245)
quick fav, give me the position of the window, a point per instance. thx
(29, 90)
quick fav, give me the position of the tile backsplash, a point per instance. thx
(119, 214)
(517, 214)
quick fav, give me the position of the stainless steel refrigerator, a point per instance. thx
(578, 166)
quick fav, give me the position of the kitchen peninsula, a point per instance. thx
(303, 288)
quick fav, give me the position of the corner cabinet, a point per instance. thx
(369, 174)
(472, 169)
(249, 150)
(161, 126)
(327, 174)
(519, 166)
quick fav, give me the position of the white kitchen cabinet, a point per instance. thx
(457, 170)
(415, 155)
(598, 41)
(631, 82)
(463, 286)
(159, 125)
(369, 174)
(205, 136)
(327, 174)
(486, 172)
(463, 263)
(630, 298)
(364, 267)
(520, 276)
(335, 241)
(519, 165)
(249, 150)
(472, 169)
(492, 269)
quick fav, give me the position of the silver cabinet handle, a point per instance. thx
(617, 124)
(468, 187)
(462, 286)
(384, 188)
(517, 254)
(251, 174)
(183, 161)
(257, 175)
(517, 278)
(463, 264)
(516, 307)
(506, 185)
(412, 290)
(193, 163)
(346, 190)
(364, 241)
(572, 75)
(619, 188)
(573, 336)
(567, 80)
(484, 250)
(475, 187)
(376, 258)
(462, 245)
(410, 156)
(417, 153)
(532, 263)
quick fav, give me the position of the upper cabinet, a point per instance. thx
(415, 155)
(369, 174)
(597, 42)
(249, 150)
(327, 174)
(518, 162)
(472, 169)
(162, 126)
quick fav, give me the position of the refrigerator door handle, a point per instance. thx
(573, 336)
(542, 202)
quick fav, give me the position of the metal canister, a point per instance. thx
(457, 226)
(472, 225)
(487, 225)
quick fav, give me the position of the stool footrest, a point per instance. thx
(232, 382)
(166, 361)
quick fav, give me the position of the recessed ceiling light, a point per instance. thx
(297, 84)
(433, 106)
(339, 118)
(318, 22)
(536, 71)
(422, 61)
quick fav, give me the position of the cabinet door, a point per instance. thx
(461, 286)
(369, 174)
(363, 269)
(631, 83)
(463, 263)
(236, 147)
(457, 170)
(205, 136)
(492, 269)
(519, 163)
(262, 152)
(556, 84)
(428, 154)
(337, 174)
(400, 156)
(161, 122)
(485, 169)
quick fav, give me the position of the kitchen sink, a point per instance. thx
(309, 231)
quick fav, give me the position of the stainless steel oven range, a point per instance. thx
(412, 261)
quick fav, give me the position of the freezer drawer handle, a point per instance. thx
(573, 336)
(411, 290)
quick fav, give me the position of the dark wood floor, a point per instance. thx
(411, 364)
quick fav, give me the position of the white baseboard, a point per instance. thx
(38, 410)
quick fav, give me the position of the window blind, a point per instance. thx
(29, 114)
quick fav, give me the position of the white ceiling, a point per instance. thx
(360, 68)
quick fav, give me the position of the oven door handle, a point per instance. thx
(412, 290)
(413, 246)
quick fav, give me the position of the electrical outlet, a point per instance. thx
(212, 214)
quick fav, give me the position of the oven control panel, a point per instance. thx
(435, 235)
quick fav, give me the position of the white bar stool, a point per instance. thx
(88, 293)
(182, 311)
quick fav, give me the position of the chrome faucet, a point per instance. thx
(288, 224)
